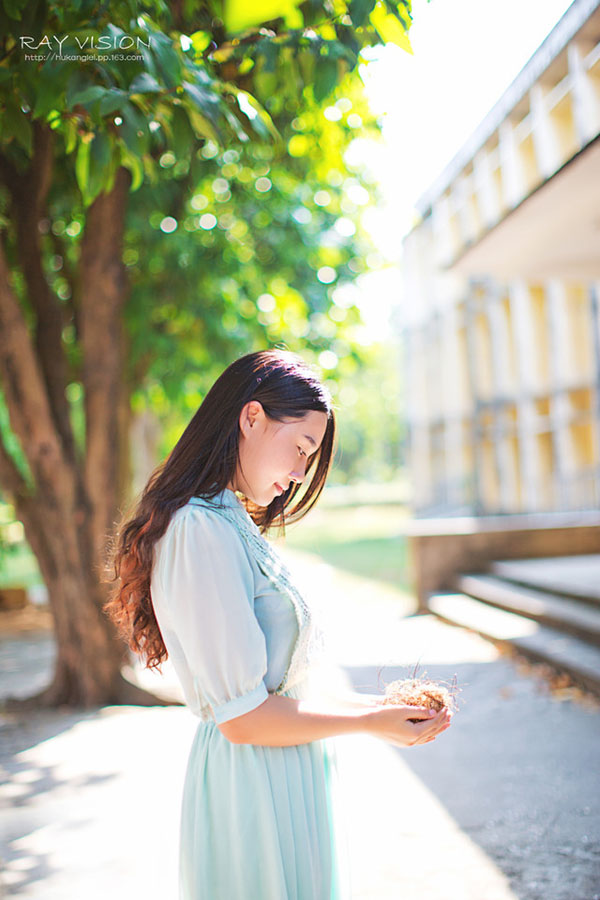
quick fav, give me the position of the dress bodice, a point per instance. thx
(234, 624)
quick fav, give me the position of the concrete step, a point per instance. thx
(563, 613)
(569, 576)
(579, 659)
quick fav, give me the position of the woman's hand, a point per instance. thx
(391, 723)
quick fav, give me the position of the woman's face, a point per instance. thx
(272, 454)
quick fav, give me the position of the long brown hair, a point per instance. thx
(202, 463)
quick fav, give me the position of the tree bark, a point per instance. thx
(28, 194)
(67, 512)
(103, 293)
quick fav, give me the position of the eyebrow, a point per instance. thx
(311, 441)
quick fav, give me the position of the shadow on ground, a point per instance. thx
(29, 782)
(518, 773)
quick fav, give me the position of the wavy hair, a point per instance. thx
(203, 463)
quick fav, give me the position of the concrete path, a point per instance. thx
(504, 806)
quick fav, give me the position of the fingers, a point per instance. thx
(405, 732)
(421, 712)
(432, 721)
(428, 731)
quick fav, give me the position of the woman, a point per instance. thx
(199, 583)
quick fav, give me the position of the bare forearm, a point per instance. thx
(358, 700)
(283, 721)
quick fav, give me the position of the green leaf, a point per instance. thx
(50, 88)
(389, 27)
(401, 11)
(245, 66)
(182, 133)
(82, 167)
(200, 41)
(134, 164)
(70, 135)
(326, 76)
(260, 120)
(86, 96)
(239, 14)
(77, 82)
(265, 84)
(306, 62)
(359, 11)
(206, 101)
(93, 166)
(134, 129)
(235, 125)
(268, 52)
(113, 99)
(149, 167)
(99, 163)
(144, 83)
(203, 127)
(13, 8)
(16, 124)
(167, 59)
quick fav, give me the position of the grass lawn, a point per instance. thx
(18, 568)
(362, 540)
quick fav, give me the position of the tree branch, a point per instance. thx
(27, 399)
(8, 172)
(29, 192)
(103, 292)
(70, 308)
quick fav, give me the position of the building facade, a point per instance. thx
(502, 294)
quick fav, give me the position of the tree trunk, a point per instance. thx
(72, 507)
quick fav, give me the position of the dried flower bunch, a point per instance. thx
(421, 691)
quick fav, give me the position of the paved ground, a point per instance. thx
(504, 806)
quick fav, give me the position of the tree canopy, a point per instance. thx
(121, 82)
(240, 226)
(172, 191)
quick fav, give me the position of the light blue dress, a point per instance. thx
(257, 822)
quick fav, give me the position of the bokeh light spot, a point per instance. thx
(199, 202)
(356, 193)
(167, 160)
(345, 227)
(326, 275)
(266, 303)
(302, 215)
(322, 198)
(208, 221)
(168, 224)
(328, 359)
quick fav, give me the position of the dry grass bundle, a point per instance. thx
(421, 691)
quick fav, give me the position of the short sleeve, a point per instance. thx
(208, 586)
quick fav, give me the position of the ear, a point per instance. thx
(252, 413)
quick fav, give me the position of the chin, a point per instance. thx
(263, 500)
(266, 498)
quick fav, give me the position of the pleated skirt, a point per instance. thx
(261, 823)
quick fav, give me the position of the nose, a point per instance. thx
(299, 472)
